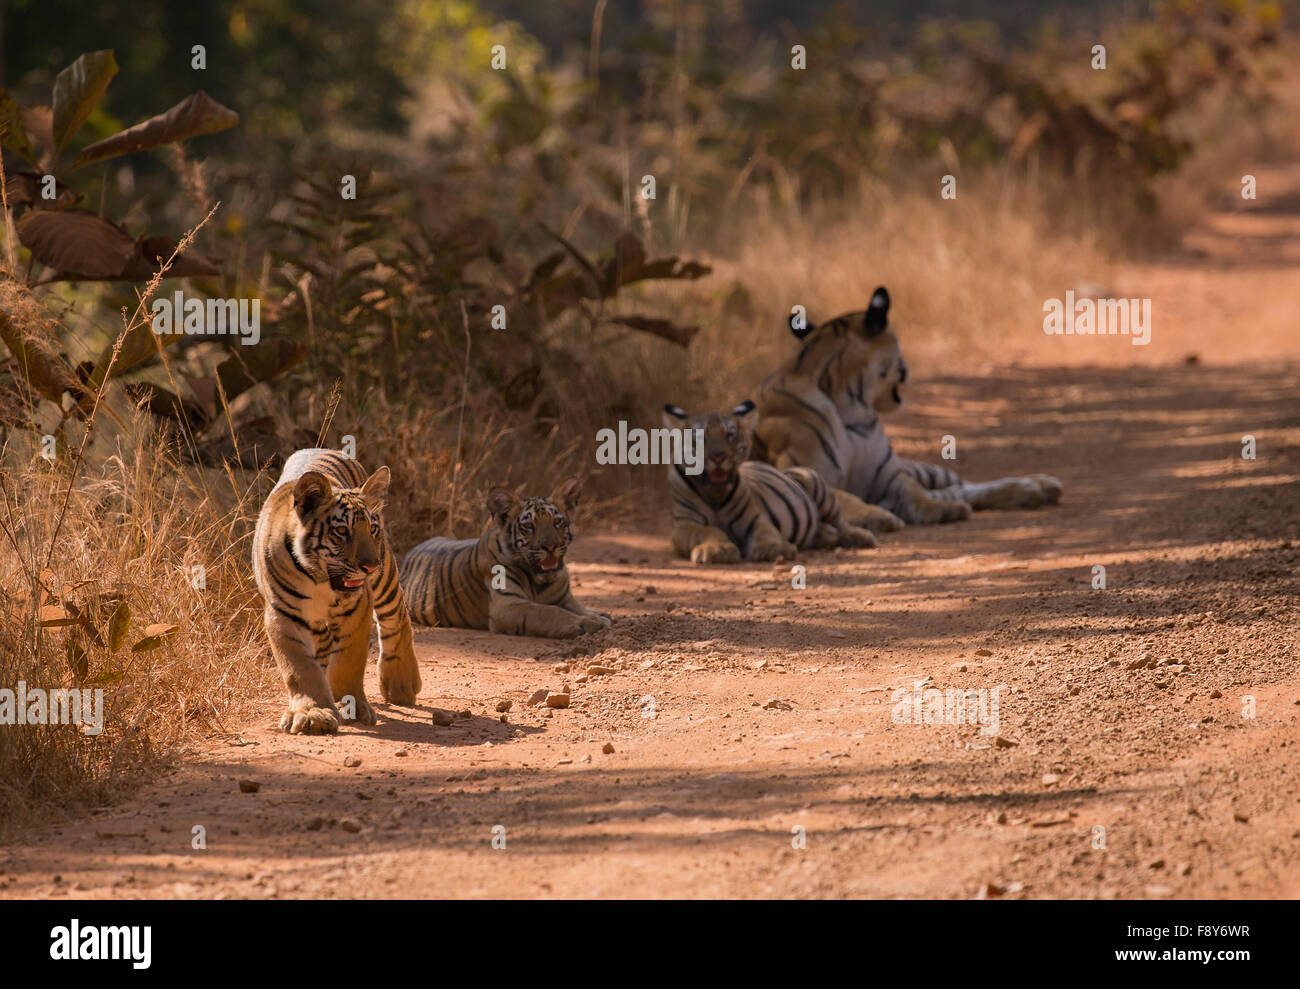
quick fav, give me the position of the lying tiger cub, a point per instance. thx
(322, 563)
(737, 508)
(512, 579)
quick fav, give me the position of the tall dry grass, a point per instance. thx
(967, 277)
(123, 572)
(137, 534)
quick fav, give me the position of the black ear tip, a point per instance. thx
(880, 298)
(675, 411)
(744, 408)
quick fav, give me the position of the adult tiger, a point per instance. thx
(738, 508)
(512, 579)
(322, 563)
(822, 409)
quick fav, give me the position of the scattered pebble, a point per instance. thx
(249, 786)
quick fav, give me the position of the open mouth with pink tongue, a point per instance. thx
(718, 476)
(348, 583)
(548, 563)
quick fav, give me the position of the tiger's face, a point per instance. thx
(340, 529)
(727, 440)
(856, 358)
(535, 532)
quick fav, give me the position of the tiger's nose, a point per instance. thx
(550, 547)
(369, 567)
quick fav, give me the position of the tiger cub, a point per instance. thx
(322, 563)
(737, 508)
(512, 579)
(822, 409)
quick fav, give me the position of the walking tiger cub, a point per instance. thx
(512, 579)
(822, 409)
(322, 563)
(737, 508)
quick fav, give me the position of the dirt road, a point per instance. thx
(1148, 736)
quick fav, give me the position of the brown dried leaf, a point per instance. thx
(81, 246)
(78, 662)
(15, 136)
(56, 616)
(153, 637)
(195, 115)
(78, 90)
(117, 627)
(76, 242)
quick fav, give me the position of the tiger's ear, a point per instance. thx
(568, 495)
(799, 323)
(877, 317)
(309, 491)
(745, 413)
(673, 415)
(499, 503)
(375, 490)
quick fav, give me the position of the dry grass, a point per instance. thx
(100, 539)
(133, 531)
(967, 276)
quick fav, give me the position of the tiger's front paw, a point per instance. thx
(855, 538)
(775, 550)
(706, 553)
(1049, 486)
(956, 511)
(306, 717)
(881, 520)
(359, 709)
(593, 622)
(399, 679)
(932, 511)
